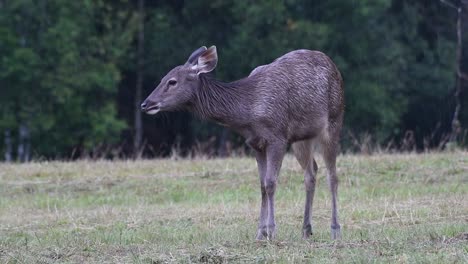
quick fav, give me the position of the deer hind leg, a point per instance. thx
(304, 155)
(329, 155)
(262, 221)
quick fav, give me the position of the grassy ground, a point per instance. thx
(394, 208)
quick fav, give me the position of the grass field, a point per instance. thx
(393, 208)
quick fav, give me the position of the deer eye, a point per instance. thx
(172, 82)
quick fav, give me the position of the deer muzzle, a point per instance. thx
(150, 107)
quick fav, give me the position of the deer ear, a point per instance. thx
(194, 57)
(207, 61)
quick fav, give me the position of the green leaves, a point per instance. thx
(62, 63)
(60, 70)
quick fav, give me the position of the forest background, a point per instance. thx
(73, 73)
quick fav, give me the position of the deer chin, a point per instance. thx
(153, 111)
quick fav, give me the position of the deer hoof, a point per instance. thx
(270, 232)
(336, 233)
(261, 234)
(307, 232)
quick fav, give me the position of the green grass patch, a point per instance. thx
(393, 209)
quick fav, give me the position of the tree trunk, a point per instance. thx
(8, 146)
(23, 143)
(456, 127)
(139, 82)
(222, 145)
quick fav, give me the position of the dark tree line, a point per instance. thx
(72, 73)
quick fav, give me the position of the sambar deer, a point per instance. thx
(297, 99)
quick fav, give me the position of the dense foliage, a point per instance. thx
(68, 68)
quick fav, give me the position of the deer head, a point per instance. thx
(177, 88)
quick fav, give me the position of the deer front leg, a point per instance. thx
(309, 182)
(274, 156)
(262, 221)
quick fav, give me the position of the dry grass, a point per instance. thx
(394, 208)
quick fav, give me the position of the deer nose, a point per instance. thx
(143, 106)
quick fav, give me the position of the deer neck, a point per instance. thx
(228, 104)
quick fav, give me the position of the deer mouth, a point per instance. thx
(153, 109)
